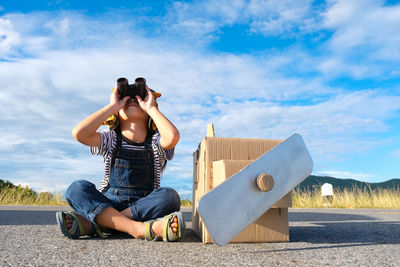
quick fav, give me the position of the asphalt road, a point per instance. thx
(29, 236)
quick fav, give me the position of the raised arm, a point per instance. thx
(85, 132)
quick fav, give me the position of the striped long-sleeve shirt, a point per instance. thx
(108, 140)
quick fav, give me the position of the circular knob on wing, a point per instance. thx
(265, 182)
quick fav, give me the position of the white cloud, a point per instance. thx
(363, 24)
(61, 27)
(396, 153)
(332, 128)
(278, 17)
(8, 37)
(336, 66)
(357, 39)
(365, 38)
(40, 32)
(62, 82)
(270, 18)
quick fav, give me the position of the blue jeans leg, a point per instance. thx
(86, 200)
(158, 203)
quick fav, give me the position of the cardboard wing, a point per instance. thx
(236, 203)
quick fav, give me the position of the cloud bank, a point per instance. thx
(57, 68)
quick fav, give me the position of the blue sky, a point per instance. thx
(328, 70)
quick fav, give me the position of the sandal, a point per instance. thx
(149, 234)
(76, 229)
(168, 234)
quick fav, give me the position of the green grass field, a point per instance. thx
(355, 198)
(19, 195)
(23, 195)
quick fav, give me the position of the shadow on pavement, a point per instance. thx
(387, 232)
(187, 216)
(326, 216)
(188, 236)
(333, 227)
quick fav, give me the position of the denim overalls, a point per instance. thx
(131, 186)
(132, 173)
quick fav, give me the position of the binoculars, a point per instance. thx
(132, 90)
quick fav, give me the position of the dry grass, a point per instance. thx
(355, 198)
(19, 195)
(186, 203)
(25, 196)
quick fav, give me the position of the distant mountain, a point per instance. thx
(315, 182)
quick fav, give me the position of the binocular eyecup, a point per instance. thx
(132, 90)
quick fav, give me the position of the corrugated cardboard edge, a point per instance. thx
(273, 226)
(204, 170)
(198, 187)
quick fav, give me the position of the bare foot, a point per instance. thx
(158, 226)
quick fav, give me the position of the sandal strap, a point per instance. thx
(149, 235)
(99, 232)
(95, 230)
(168, 234)
(77, 223)
(76, 229)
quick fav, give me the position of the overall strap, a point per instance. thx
(118, 145)
(148, 141)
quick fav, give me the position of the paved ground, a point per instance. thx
(29, 236)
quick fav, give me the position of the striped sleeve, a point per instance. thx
(104, 148)
(107, 142)
(167, 155)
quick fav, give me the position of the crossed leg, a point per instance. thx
(120, 221)
(83, 197)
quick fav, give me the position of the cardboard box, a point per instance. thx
(219, 158)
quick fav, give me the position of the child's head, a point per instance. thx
(132, 112)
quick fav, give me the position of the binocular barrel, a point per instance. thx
(122, 86)
(140, 81)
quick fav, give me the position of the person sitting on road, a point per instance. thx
(130, 198)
